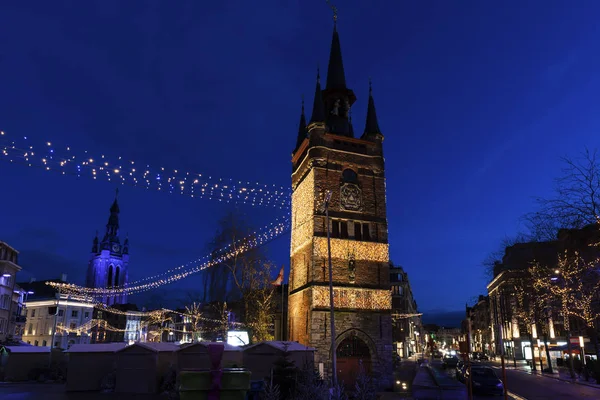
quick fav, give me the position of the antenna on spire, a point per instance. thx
(116, 193)
(334, 9)
(370, 86)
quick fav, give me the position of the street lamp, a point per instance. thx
(331, 316)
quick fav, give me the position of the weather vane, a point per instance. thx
(334, 9)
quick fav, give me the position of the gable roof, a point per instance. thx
(281, 345)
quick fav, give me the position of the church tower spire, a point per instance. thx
(112, 227)
(337, 97)
(109, 262)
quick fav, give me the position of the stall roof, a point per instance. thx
(228, 347)
(97, 348)
(279, 345)
(153, 346)
(28, 349)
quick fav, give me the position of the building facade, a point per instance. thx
(479, 317)
(53, 319)
(329, 159)
(406, 319)
(547, 329)
(109, 260)
(9, 259)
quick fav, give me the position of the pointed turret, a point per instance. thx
(318, 111)
(336, 79)
(126, 245)
(301, 128)
(95, 244)
(372, 130)
(112, 227)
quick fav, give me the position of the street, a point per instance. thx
(522, 385)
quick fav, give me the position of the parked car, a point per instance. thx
(449, 361)
(479, 356)
(484, 380)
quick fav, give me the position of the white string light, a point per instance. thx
(250, 242)
(68, 161)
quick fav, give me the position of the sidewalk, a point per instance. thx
(562, 374)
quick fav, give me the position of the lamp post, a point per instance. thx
(331, 315)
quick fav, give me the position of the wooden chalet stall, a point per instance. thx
(195, 356)
(260, 358)
(89, 364)
(142, 366)
(19, 362)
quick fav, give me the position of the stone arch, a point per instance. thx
(358, 333)
(349, 366)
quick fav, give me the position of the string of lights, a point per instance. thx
(69, 161)
(154, 313)
(254, 240)
(277, 225)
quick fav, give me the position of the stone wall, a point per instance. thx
(374, 328)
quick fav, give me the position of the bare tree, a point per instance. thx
(158, 322)
(495, 257)
(194, 313)
(576, 200)
(246, 274)
(232, 237)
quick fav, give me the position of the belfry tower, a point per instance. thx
(109, 260)
(328, 157)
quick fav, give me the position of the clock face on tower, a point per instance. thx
(116, 248)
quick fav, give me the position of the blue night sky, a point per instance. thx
(477, 101)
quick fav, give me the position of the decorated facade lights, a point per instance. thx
(69, 161)
(252, 241)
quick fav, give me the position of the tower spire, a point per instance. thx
(336, 78)
(372, 125)
(318, 111)
(301, 127)
(112, 227)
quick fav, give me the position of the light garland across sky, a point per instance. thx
(70, 161)
(252, 241)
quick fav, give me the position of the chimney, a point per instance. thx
(63, 277)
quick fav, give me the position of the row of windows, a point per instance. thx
(8, 255)
(52, 311)
(359, 231)
(5, 302)
(397, 290)
(6, 280)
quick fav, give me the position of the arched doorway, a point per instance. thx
(351, 353)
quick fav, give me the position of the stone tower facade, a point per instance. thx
(109, 260)
(329, 158)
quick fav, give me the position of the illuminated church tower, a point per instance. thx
(328, 157)
(109, 260)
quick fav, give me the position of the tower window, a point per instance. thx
(344, 229)
(349, 176)
(117, 277)
(335, 229)
(366, 232)
(110, 276)
(357, 231)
